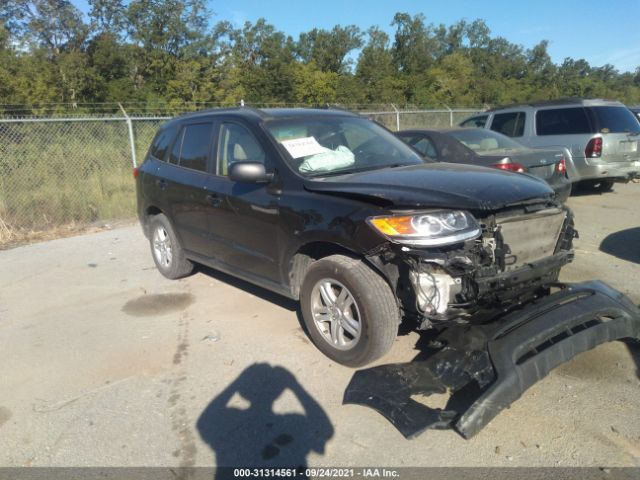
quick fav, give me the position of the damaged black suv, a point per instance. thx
(329, 208)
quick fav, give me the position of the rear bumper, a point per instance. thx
(593, 169)
(488, 367)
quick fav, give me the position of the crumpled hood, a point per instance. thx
(438, 185)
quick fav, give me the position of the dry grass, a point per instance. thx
(61, 178)
(12, 239)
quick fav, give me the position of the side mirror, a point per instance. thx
(249, 172)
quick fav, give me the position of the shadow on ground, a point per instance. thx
(243, 430)
(587, 190)
(634, 350)
(624, 244)
(263, 293)
(250, 288)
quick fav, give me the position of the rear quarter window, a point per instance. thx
(477, 122)
(611, 119)
(563, 121)
(510, 124)
(162, 142)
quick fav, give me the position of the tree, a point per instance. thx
(52, 24)
(165, 52)
(375, 70)
(413, 46)
(107, 16)
(167, 26)
(329, 50)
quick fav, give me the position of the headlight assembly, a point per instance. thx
(428, 229)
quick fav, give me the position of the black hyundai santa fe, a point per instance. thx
(331, 209)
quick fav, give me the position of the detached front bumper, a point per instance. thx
(488, 367)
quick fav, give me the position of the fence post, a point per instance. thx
(450, 115)
(131, 137)
(397, 117)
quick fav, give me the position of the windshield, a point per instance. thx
(322, 146)
(486, 142)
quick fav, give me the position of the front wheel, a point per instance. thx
(350, 312)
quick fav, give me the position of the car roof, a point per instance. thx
(435, 130)
(570, 101)
(258, 114)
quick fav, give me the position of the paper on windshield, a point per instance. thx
(303, 147)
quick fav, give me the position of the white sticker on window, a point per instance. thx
(303, 147)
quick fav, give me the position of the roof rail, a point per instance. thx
(556, 101)
(261, 113)
(335, 106)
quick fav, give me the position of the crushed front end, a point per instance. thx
(500, 319)
(515, 258)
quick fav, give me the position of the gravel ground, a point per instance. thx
(106, 363)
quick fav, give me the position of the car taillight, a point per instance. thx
(512, 167)
(561, 166)
(135, 172)
(594, 148)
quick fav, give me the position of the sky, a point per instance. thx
(598, 31)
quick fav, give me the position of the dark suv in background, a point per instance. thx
(600, 137)
(333, 210)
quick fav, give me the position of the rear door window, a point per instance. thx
(191, 148)
(563, 121)
(423, 144)
(510, 124)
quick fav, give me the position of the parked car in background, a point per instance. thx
(331, 209)
(490, 149)
(600, 137)
(477, 121)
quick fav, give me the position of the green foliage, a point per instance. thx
(164, 52)
(329, 49)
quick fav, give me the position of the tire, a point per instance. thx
(368, 299)
(597, 185)
(166, 250)
(605, 186)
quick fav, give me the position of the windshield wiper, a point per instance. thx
(356, 170)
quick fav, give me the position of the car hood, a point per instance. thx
(437, 185)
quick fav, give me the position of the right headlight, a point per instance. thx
(428, 229)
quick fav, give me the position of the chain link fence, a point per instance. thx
(72, 172)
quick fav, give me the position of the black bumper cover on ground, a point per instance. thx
(488, 367)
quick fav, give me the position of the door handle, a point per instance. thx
(162, 183)
(214, 200)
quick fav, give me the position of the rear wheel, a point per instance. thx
(350, 312)
(606, 185)
(598, 185)
(166, 250)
